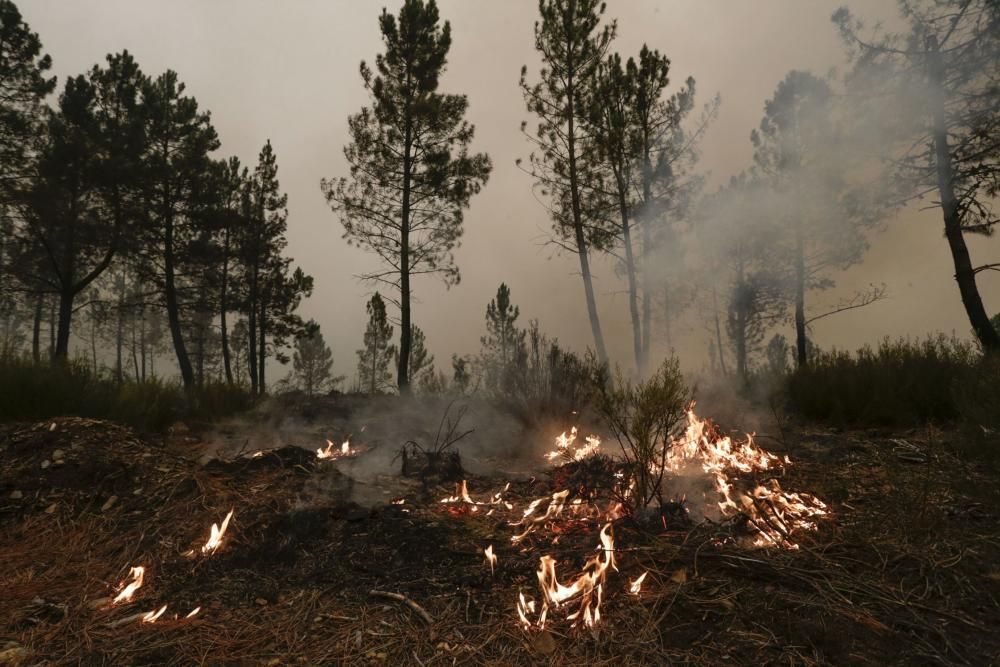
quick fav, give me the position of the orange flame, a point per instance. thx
(636, 585)
(137, 573)
(153, 615)
(490, 557)
(331, 453)
(193, 612)
(215, 537)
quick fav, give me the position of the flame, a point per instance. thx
(588, 587)
(554, 509)
(215, 537)
(137, 573)
(774, 513)
(153, 615)
(331, 453)
(565, 450)
(193, 612)
(490, 557)
(636, 585)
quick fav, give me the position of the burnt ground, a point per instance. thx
(906, 570)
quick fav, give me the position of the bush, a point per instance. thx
(899, 383)
(31, 392)
(642, 418)
(977, 401)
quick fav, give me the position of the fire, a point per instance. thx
(137, 573)
(774, 513)
(490, 557)
(215, 537)
(330, 452)
(565, 450)
(153, 615)
(588, 587)
(636, 585)
(193, 612)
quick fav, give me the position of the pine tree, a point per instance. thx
(572, 44)
(411, 173)
(421, 364)
(375, 358)
(312, 362)
(177, 171)
(503, 342)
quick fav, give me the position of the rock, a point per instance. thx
(544, 642)
(46, 463)
(58, 454)
(109, 503)
(16, 495)
(51, 508)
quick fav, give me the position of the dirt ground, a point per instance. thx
(905, 569)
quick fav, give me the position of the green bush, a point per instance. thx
(642, 416)
(898, 383)
(31, 392)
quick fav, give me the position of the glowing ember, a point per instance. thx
(636, 585)
(193, 612)
(153, 615)
(490, 557)
(215, 538)
(331, 451)
(565, 447)
(128, 591)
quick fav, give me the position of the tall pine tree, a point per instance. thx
(378, 352)
(411, 173)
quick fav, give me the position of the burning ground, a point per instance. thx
(858, 548)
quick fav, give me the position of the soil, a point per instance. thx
(905, 570)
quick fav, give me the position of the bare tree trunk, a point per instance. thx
(120, 333)
(718, 331)
(262, 346)
(223, 308)
(403, 370)
(802, 352)
(965, 274)
(36, 329)
(578, 231)
(52, 329)
(173, 309)
(633, 288)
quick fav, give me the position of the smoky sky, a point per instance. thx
(288, 72)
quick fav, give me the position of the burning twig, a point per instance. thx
(405, 600)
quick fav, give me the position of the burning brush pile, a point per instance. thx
(114, 550)
(736, 485)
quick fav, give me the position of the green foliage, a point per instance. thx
(421, 366)
(642, 416)
(898, 383)
(30, 391)
(545, 383)
(312, 362)
(503, 343)
(377, 354)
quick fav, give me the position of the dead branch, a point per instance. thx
(405, 600)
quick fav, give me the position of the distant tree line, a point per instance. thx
(119, 224)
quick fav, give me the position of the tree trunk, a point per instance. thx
(173, 309)
(965, 274)
(252, 332)
(578, 231)
(403, 370)
(801, 351)
(718, 332)
(120, 334)
(36, 329)
(223, 307)
(633, 288)
(262, 347)
(61, 353)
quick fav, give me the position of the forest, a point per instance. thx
(652, 441)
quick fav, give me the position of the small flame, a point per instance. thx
(137, 573)
(193, 612)
(215, 538)
(565, 450)
(153, 615)
(490, 557)
(332, 453)
(636, 585)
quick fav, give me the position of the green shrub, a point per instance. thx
(31, 392)
(898, 383)
(642, 416)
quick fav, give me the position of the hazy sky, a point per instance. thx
(288, 72)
